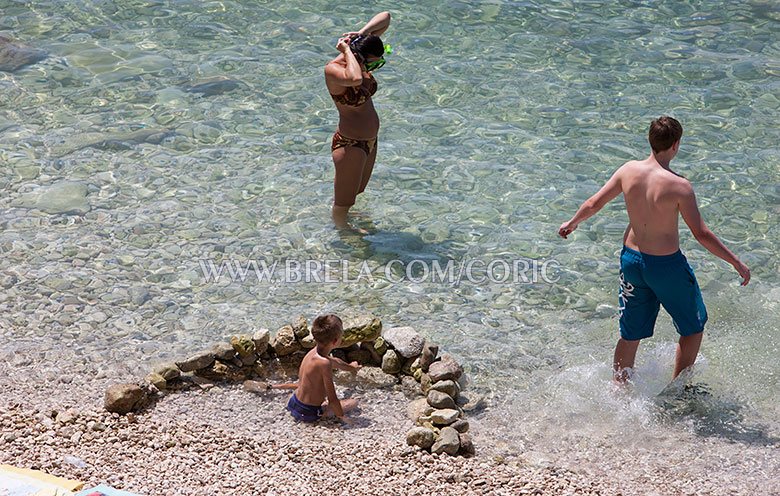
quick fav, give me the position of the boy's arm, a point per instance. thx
(610, 190)
(342, 365)
(330, 391)
(286, 385)
(690, 214)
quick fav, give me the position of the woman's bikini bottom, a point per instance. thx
(340, 141)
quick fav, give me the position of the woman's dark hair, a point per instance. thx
(369, 44)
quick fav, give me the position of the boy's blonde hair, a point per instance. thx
(327, 328)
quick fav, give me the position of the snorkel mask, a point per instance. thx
(375, 64)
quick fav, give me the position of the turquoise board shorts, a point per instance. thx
(648, 281)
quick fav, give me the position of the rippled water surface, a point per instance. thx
(157, 134)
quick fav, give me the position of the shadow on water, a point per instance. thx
(383, 246)
(711, 415)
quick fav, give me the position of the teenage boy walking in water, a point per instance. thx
(653, 270)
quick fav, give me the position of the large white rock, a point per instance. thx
(405, 340)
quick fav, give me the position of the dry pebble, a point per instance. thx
(223, 440)
(229, 442)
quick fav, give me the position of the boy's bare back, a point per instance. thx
(655, 197)
(315, 371)
(315, 375)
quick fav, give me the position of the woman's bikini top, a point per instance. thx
(356, 96)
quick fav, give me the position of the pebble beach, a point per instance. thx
(142, 141)
(227, 441)
(224, 440)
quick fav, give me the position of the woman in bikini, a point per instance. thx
(351, 85)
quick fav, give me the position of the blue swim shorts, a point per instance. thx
(302, 411)
(648, 281)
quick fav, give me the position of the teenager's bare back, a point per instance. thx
(652, 195)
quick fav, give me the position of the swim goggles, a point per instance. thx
(376, 64)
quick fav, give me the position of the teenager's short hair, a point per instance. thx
(664, 132)
(326, 328)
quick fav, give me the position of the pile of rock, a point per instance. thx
(439, 415)
(396, 356)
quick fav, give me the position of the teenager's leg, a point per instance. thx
(638, 308)
(623, 363)
(687, 350)
(680, 295)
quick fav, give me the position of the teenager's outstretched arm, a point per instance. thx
(692, 217)
(593, 204)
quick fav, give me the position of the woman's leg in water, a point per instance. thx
(368, 168)
(350, 162)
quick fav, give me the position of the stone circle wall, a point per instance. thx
(395, 357)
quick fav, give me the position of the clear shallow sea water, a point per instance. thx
(498, 120)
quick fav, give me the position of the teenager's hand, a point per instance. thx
(355, 366)
(744, 273)
(343, 44)
(566, 229)
(352, 34)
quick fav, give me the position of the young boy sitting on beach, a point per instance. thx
(315, 376)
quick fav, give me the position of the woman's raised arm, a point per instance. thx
(377, 25)
(351, 75)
